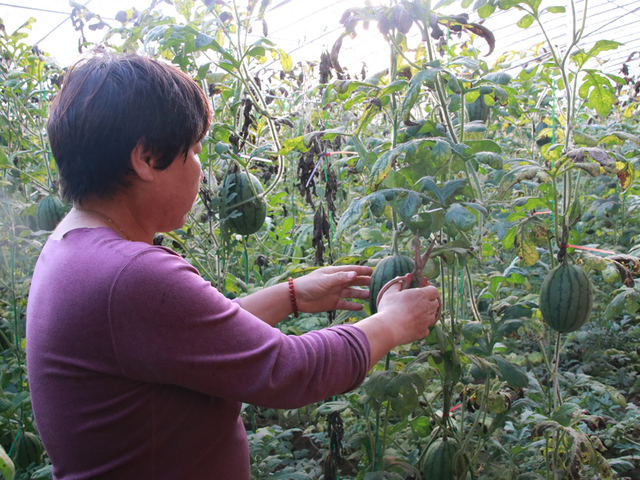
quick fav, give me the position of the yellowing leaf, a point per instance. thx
(285, 61)
(626, 174)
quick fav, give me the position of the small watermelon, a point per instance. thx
(49, 212)
(566, 298)
(252, 210)
(386, 270)
(438, 462)
(29, 450)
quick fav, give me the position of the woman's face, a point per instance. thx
(178, 187)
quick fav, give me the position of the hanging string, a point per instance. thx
(320, 157)
(326, 181)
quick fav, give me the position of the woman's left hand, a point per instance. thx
(328, 288)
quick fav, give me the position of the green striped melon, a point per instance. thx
(566, 298)
(387, 269)
(438, 462)
(252, 210)
(49, 212)
(29, 450)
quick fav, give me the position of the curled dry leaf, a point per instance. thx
(335, 51)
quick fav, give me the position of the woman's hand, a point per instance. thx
(414, 310)
(328, 288)
(404, 316)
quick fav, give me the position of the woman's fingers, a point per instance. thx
(346, 305)
(355, 293)
(359, 269)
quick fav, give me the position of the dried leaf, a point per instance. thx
(335, 51)
(580, 155)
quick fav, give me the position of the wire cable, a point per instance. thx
(34, 8)
(305, 17)
(59, 25)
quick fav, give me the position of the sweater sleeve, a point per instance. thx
(170, 326)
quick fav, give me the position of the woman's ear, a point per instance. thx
(142, 162)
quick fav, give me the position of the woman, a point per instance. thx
(138, 367)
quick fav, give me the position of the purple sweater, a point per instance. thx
(138, 367)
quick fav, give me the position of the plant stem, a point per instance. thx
(557, 397)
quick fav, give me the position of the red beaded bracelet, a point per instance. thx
(292, 294)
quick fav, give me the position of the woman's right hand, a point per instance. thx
(412, 311)
(404, 316)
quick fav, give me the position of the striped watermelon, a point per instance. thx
(29, 450)
(438, 462)
(566, 298)
(387, 269)
(49, 212)
(252, 210)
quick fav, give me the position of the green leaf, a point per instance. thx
(599, 91)
(410, 100)
(470, 63)
(409, 206)
(556, 9)
(6, 465)
(509, 238)
(351, 216)
(4, 161)
(383, 165)
(510, 326)
(427, 184)
(486, 10)
(495, 282)
(565, 413)
(526, 21)
(477, 146)
(584, 140)
(472, 331)
(460, 217)
(519, 310)
(603, 46)
(441, 152)
(518, 174)
(627, 300)
(501, 78)
(512, 374)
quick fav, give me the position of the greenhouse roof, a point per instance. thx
(305, 31)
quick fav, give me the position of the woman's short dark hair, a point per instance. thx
(110, 103)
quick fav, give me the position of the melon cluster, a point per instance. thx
(252, 210)
(566, 298)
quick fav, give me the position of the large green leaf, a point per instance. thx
(441, 152)
(384, 164)
(518, 174)
(352, 215)
(460, 217)
(428, 184)
(510, 373)
(477, 146)
(597, 88)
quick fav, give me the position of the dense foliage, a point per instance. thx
(512, 169)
